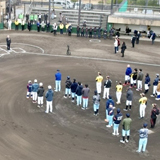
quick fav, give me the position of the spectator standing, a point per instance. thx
(16, 24)
(115, 45)
(61, 26)
(54, 28)
(38, 26)
(48, 26)
(23, 24)
(29, 25)
(133, 41)
(9, 24)
(123, 48)
(8, 41)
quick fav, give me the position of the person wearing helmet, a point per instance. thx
(143, 138)
(35, 87)
(126, 125)
(68, 87)
(96, 102)
(116, 121)
(142, 107)
(40, 93)
(58, 81)
(29, 89)
(49, 99)
(155, 83)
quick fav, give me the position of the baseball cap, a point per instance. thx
(127, 115)
(118, 110)
(95, 92)
(29, 81)
(40, 84)
(145, 124)
(68, 77)
(35, 80)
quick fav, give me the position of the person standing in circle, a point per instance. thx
(8, 40)
(99, 80)
(123, 48)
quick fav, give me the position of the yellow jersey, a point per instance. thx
(61, 26)
(99, 78)
(143, 100)
(119, 88)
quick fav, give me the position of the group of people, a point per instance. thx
(80, 94)
(132, 79)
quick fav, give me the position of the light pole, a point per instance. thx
(79, 13)
(9, 9)
(49, 16)
(111, 6)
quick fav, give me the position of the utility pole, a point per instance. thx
(49, 15)
(146, 6)
(111, 6)
(79, 13)
(9, 9)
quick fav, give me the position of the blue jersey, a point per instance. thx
(29, 87)
(110, 111)
(117, 118)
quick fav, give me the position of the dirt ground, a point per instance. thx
(69, 133)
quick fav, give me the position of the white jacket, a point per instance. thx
(115, 43)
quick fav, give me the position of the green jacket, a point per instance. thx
(126, 123)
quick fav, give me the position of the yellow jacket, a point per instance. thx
(67, 25)
(16, 23)
(61, 26)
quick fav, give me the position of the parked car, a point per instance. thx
(88, 6)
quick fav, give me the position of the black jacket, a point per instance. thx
(40, 91)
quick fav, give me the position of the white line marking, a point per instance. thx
(98, 59)
(2, 44)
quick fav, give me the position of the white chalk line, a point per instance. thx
(98, 59)
(78, 57)
(3, 44)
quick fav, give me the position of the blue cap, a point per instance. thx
(110, 97)
(57, 69)
(127, 115)
(145, 124)
(95, 92)
(118, 110)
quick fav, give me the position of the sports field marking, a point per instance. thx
(97, 59)
(21, 44)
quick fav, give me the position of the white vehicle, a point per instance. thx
(77, 5)
(65, 3)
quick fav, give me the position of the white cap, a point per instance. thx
(49, 87)
(35, 80)
(29, 81)
(40, 84)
